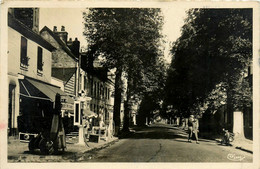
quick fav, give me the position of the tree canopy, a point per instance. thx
(130, 40)
(212, 54)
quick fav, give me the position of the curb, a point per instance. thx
(79, 156)
(101, 146)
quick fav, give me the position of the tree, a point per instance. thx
(152, 97)
(128, 40)
(215, 48)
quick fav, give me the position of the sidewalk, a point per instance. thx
(19, 152)
(238, 143)
(242, 144)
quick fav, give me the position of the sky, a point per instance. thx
(72, 19)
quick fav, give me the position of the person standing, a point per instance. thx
(190, 127)
(196, 129)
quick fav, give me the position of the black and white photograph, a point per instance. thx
(164, 83)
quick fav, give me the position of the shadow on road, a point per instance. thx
(38, 152)
(157, 132)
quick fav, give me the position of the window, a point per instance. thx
(95, 88)
(91, 87)
(80, 82)
(98, 90)
(250, 68)
(39, 59)
(105, 92)
(85, 83)
(24, 57)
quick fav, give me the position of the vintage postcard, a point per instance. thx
(129, 84)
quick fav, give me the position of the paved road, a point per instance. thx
(161, 143)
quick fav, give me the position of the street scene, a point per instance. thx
(155, 143)
(130, 85)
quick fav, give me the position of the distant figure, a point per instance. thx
(190, 127)
(196, 129)
(227, 137)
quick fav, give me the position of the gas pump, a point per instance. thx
(81, 106)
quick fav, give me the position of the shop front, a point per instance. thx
(37, 106)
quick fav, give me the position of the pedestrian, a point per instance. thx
(190, 127)
(196, 128)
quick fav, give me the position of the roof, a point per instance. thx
(100, 73)
(59, 41)
(63, 74)
(28, 33)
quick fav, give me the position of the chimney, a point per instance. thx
(74, 46)
(62, 34)
(69, 43)
(62, 28)
(54, 28)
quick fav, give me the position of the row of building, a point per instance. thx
(42, 63)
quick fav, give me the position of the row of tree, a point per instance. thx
(210, 61)
(130, 41)
(208, 67)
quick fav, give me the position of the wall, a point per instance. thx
(14, 47)
(60, 58)
(69, 87)
(15, 72)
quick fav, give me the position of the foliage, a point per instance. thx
(130, 40)
(215, 48)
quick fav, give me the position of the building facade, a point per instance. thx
(95, 82)
(64, 63)
(29, 73)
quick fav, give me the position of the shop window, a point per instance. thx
(24, 58)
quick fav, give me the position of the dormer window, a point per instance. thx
(24, 58)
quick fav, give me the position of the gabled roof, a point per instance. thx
(63, 74)
(28, 33)
(100, 73)
(59, 41)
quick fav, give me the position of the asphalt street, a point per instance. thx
(162, 143)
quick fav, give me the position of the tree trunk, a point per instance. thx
(127, 105)
(126, 117)
(117, 100)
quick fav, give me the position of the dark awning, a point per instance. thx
(40, 90)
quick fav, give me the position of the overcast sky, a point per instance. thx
(72, 19)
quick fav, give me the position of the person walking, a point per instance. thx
(196, 129)
(190, 127)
